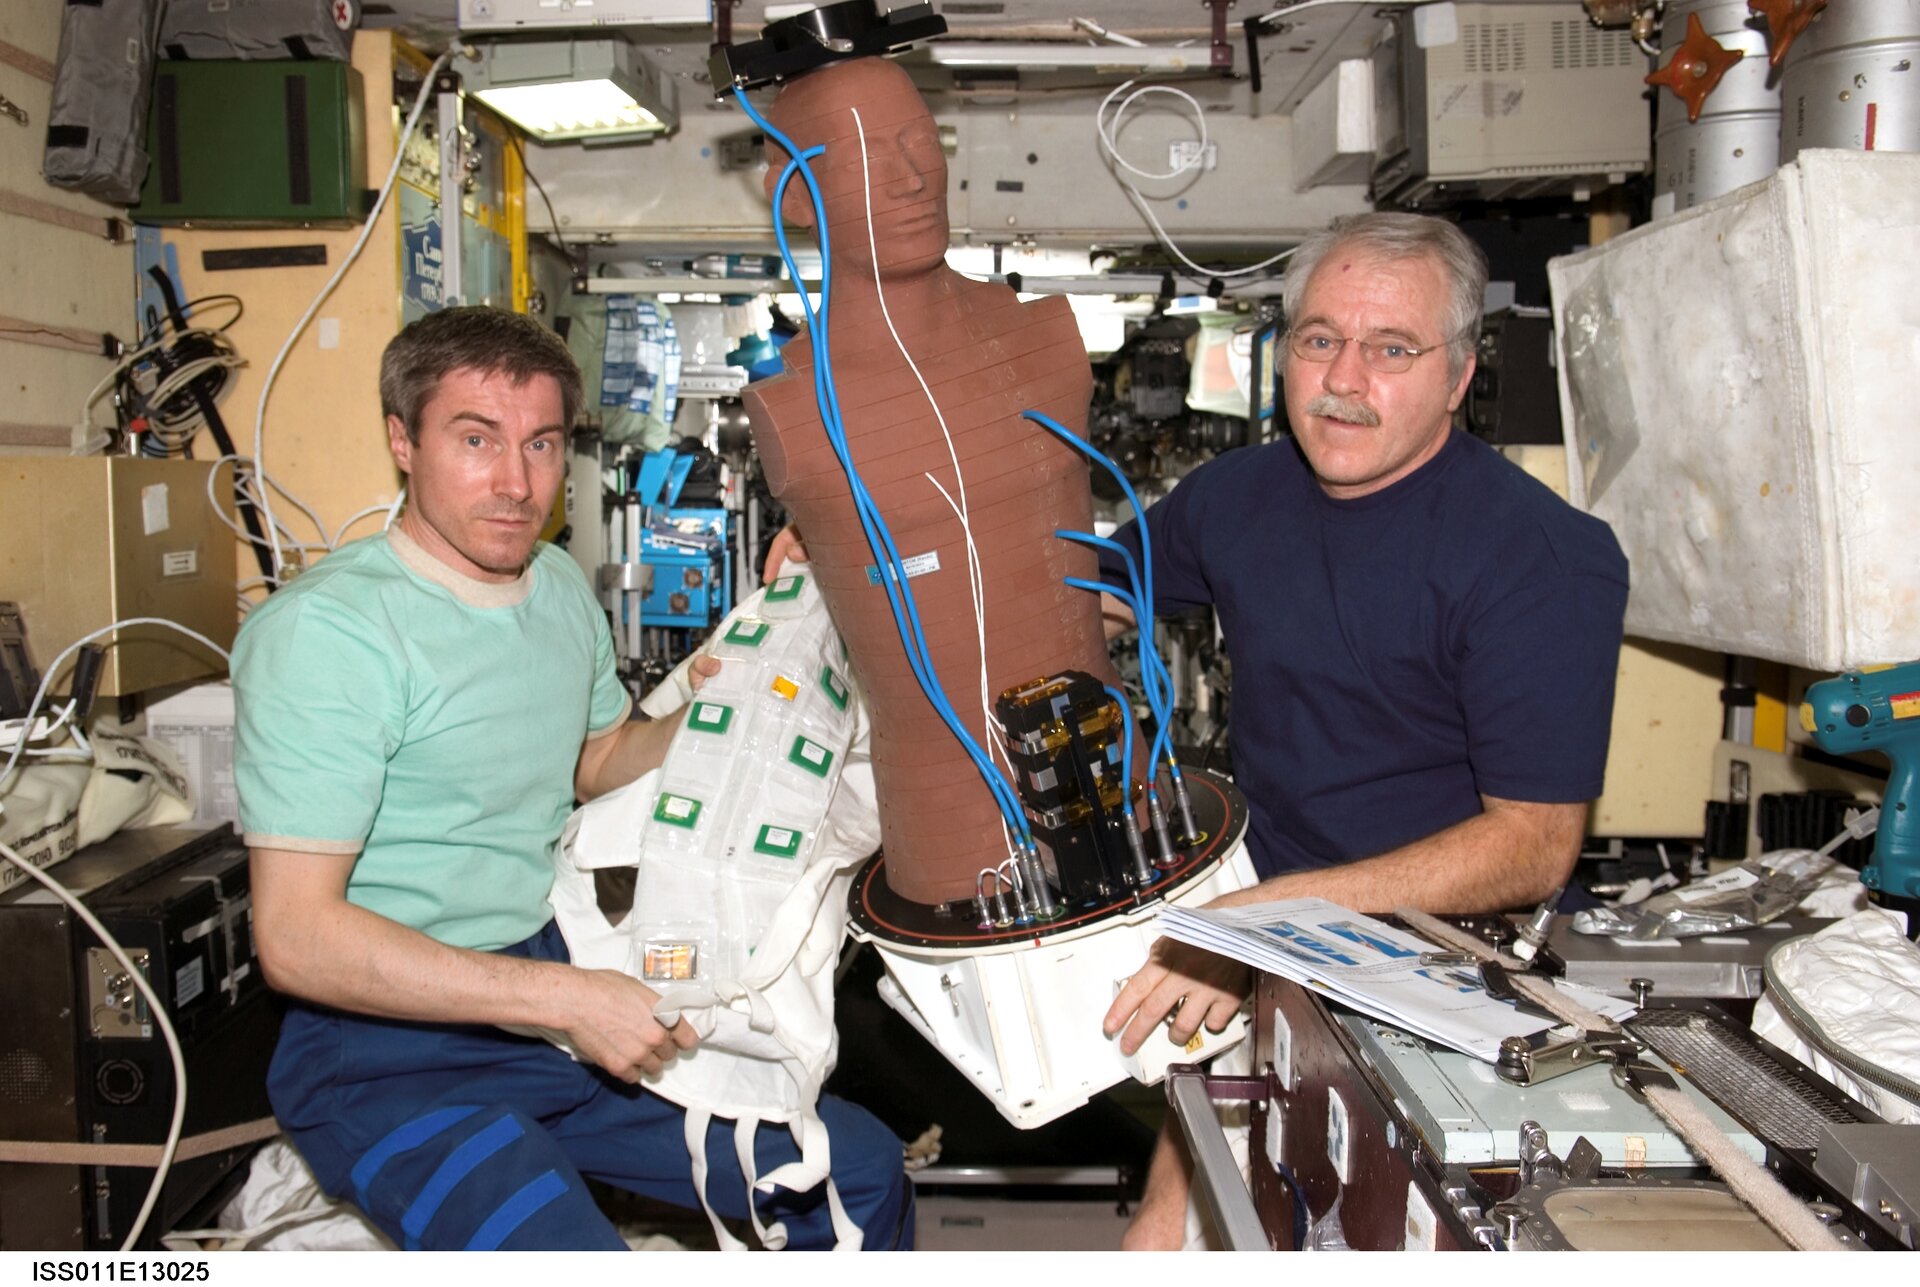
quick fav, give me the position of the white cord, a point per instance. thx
(245, 484)
(40, 695)
(384, 507)
(299, 327)
(1106, 132)
(975, 577)
(159, 1013)
(1100, 125)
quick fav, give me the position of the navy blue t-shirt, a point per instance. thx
(1396, 656)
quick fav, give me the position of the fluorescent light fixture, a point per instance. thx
(1064, 57)
(561, 90)
(505, 15)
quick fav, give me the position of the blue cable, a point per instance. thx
(1143, 620)
(1152, 669)
(900, 599)
(1160, 734)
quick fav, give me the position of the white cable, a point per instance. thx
(393, 510)
(299, 327)
(1106, 133)
(975, 577)
(384, 507)
(245, 484)
(1093, 28)
(46, 680)
(1193, 162)
(154, 1007)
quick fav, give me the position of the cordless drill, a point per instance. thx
(1879, 710)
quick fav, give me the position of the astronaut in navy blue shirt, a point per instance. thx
(1423, 639)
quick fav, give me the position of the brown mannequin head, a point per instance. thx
(904, 175)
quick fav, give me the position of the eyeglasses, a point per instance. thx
(1323, 344)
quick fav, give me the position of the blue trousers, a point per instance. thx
(465, 1137)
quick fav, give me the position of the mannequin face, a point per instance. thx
(883, 154)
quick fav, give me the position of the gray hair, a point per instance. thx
(476, 338)
(1388, 235)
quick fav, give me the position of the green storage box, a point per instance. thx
(255, 145)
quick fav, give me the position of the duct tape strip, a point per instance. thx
(1785, 1214)
(32, 64)
(71, 338)
(55, 1154)
(18, 435)
(13, 203)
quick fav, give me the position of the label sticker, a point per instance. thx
(180, 563)
(189, 981)
(1730, 879)
(676, 810)
(1906, 705)
(836, 689)
(669, 962)
(918, 565)
(710, 717)
(781, 842)
(787, 587)
(785, 688)
(748, 631)
(154, 517)
(811, 756)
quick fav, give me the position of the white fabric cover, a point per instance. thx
(1736, 383)
(765, 1017)
(1859, 979)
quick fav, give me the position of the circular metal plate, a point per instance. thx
(877, 913)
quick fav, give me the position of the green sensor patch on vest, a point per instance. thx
(749, 632)
(811, 756)
(677, 810)
(781, 842)
(710, 717)
(787, 587)
(836, 690)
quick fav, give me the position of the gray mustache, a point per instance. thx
(1353, 413)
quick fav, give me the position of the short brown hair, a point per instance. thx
(488, 340)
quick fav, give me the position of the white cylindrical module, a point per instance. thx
(1852, 80)
(1736, 141)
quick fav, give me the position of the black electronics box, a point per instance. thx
(81, 1060)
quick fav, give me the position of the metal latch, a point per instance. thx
(1525, 1061)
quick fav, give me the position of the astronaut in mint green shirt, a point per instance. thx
(416, 717)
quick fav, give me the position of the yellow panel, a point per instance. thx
(325, 440)
(1667, 720)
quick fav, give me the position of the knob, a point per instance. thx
(1696, 67)
(1785, 20)
(1642, 989)
(1507, 1218)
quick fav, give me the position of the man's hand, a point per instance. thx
(1206, 989)
(786, 546)
(611, 1023)
(701, 669)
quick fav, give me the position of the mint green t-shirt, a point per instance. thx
(389, 706)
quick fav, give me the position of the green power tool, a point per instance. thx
(1878, 709)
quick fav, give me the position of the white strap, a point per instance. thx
(773, 1237)
(697, 1122)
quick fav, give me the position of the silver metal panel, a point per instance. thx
(1468, 1115)
(1716, 965)
(1878, 1167)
